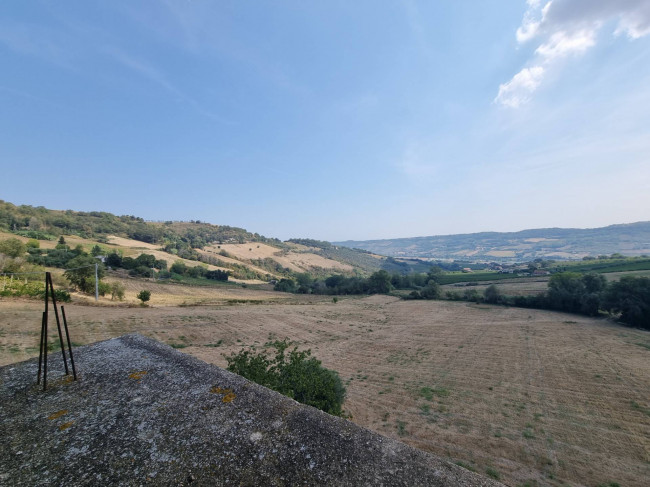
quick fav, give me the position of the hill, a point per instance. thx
(143, 413)
(631, 239)
(249, 257)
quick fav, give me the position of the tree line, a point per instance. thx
(587, 294)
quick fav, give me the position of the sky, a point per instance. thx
(332, 120)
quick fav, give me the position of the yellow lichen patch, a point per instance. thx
(58, 414)
(228, 394)
(65, 426)
(228, 397)
(219, 390)
(137, 375)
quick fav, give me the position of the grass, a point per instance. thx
(528, 434)
(638, 407)
(401, 428)
(491, 472)
(466, 466)
(428, 392)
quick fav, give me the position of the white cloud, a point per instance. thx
(568, 27)
(562, 43)
(517, 91)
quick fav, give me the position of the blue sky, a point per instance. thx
(332, 120)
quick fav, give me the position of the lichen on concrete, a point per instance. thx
(143, 413)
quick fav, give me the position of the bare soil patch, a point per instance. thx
(537, 396)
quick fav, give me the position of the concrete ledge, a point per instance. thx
(143, 413)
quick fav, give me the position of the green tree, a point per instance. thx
(146, 260)
(630, 296)
(431, 290)
(435, 273)
(12, 247)
(178, 267)
(285, 285)
(144, 296)
(576, 293)
(295, 374)
(81, 273)
(379, 282)
(96, 250)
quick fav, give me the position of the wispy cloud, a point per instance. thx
(156, 76)
(565, 28)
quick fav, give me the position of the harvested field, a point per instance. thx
(296, 261)
(534, 397)
(510, 287)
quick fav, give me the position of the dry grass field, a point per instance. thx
(533, 397)
(510, 287)
(298, 260)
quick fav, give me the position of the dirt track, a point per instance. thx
(532, 395)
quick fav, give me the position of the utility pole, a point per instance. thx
(153, 274)
(96, 281)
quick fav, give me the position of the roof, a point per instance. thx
(143, 412)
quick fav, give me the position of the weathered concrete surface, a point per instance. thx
(143, 413)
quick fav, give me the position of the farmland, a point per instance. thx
(527, 396)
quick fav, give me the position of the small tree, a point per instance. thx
(82, 273)
(379, 282)
(12, 247)
(144, 296)
(117, 291)
(431, 290)
(492, 294)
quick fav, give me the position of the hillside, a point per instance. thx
(631, 239)
(248, 257)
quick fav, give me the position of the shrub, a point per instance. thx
(144, 296)
(117, 291)
(294, 374)
(492, 295)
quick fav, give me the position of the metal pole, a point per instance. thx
(58, 323)
(67, 334)
(45, 336)
(40, 349)
(96, 282)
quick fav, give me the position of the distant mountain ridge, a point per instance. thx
(631, 239)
